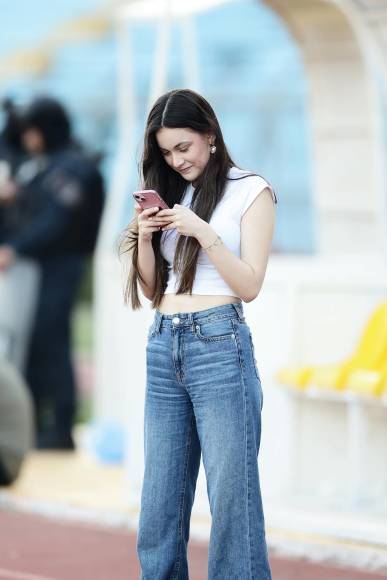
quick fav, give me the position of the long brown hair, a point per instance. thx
(181, 108)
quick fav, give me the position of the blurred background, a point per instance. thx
(299, 89)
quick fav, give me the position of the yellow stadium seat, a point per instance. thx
(367, 382)
(368, 358)
(294, 377)
(330, 376)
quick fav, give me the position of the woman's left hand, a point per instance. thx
(183, 219)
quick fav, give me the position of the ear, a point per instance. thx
(211, 138)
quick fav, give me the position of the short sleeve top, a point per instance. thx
(241, 189)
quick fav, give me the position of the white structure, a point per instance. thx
(310, 309)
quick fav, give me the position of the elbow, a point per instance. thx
(148, 295)
(147, 292)
(252, 293)
(249, 297)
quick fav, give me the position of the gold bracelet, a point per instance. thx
(217, 242)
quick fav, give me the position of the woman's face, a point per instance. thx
(185, 150)
(33, 140)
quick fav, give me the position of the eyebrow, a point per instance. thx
(178, 145)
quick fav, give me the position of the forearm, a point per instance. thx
(147, 267)
(240, 276)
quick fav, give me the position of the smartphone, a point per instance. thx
(147, 198)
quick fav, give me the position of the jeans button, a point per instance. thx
(176, 320)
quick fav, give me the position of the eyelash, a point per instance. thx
(180, 150)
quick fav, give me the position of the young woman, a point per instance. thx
(197, 262)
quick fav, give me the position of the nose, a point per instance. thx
(177, 160)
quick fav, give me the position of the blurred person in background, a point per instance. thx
(11, 150)
(54, 220)
(16, 422)
(11, 155)
(19, 284)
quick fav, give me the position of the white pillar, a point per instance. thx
(345, 124)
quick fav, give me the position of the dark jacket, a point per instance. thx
(58, 208)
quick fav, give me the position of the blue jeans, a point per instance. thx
(203, 396)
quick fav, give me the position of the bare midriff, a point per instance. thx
(175, 303)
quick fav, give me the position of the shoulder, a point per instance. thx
(247, 185)
(245, 179)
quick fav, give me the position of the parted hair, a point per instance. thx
(182, 108)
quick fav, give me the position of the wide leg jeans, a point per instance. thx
(203, 397)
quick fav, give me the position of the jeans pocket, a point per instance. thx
(215, 330)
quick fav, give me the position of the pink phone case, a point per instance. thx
(147, 198)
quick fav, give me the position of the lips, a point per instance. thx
(186, 169)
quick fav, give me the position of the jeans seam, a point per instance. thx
(182, 361)
(248, 499)
(255, 364)
(247, 456)
(181, 510)
(214, 317)
(239, 349)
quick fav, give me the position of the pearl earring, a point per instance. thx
(212, 149)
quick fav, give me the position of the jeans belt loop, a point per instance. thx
(159, 318)
(238, 309)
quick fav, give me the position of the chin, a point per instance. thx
(192, 176)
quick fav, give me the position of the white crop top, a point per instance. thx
(226, 221)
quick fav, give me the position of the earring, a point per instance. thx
(212, 149)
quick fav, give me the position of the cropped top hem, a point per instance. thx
(241, 189)
(205, 292)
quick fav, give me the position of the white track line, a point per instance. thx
(12, 575)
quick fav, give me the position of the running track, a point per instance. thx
(36, 548)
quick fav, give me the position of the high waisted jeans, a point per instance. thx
(203, 396)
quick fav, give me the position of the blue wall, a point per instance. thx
(250, 71)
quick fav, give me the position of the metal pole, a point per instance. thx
(160, 66)
(190, 53)
(126, 115)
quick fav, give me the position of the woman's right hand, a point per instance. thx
(147, 224)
